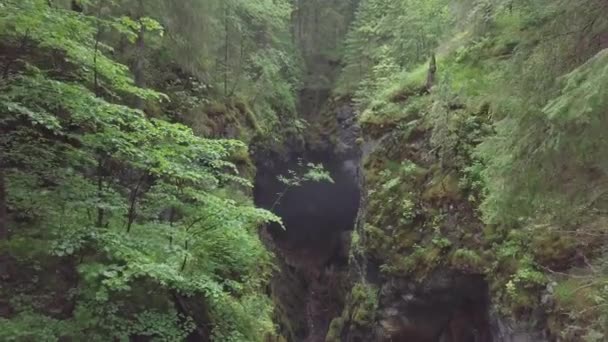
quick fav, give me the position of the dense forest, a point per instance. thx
(304, 170)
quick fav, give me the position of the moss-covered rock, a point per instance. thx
(554, 250)
(468, 261)
(363, 302)
(335, 330)
(443, 187)
(360, 311)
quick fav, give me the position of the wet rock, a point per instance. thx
(349, 133)
(508, 331)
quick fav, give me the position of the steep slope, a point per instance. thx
(126, 208)
(479, 222)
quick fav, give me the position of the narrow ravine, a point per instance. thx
(318, 219)
(311, 283)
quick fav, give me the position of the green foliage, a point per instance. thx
(511, 133)
(526, 277)
(387, 37)
(467, 260)
(28, 326)
(360, 311)
(363, 301)
(393, 193)
(320, 27)
(237, 51)
(419, 263)
(148, 211)
(553, 250)
(582, 303)
(335, 330)
(149, 223)
(517, 276)
(310, 172)
(545, 121)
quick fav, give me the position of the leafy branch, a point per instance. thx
(310, 172)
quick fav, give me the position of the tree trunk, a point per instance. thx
(198, 313)
(132, 213)
(140, 57)
(430, 79)
(100, 211)
(76, 6)
(3, 211)
(226, 49)
(138, 69)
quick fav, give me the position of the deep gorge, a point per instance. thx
(304, 170)
(318, 268)
(314, 244)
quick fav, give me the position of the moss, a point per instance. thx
(581, 295)
(467, 260)
(416, 78)
(245, 165)
(359, 311)
(427, 260)
(396, 183)
(419, 263)
(363, 304)
(376, 240)
(406, 239)
(335, 330)
(25, 248)
(520, 284)
(554, 250)
(523, 303)
(384, 116)
(580, 302)
(233, 119)
(491, 233)
(443, 187)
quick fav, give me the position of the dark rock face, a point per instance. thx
(348, 133)
(446, 307)
(315, 214)
(505, 331)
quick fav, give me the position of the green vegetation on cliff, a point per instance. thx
(487, 120)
